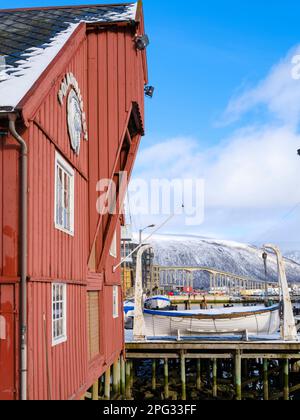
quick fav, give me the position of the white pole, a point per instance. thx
(139, 328)
(289, 332)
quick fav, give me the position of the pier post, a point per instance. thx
(107, 384)
(116, 377)
(131, 374)
(215, 384)
(95, 391)
(153, 375)
(128, 381)
(166, 374)
(183, 376)
(266, 380)
(286, 391)
(238, 376)
(101, 386)
(123, 377)
(199, 381)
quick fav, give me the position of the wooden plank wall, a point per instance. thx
(116, 79)
(56, 373)
(8, 346)
(9, 199)
(111, 76)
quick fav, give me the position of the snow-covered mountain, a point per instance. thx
(230, 257)
(293, 255)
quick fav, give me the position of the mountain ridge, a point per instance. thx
(232, 257)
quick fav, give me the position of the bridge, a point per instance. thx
(181, 277)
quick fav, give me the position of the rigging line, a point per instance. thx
(271, 229)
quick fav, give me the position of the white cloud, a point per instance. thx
(253, 176)
(279, 92)
(254, 168)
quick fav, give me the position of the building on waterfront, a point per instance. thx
(72, 85)
(128, 246)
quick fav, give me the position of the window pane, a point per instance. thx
(64, 198)
(58, 316)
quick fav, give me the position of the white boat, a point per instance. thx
(154, 303)
(248, 321)
(227, 321)
(129, 307)
(157, 302)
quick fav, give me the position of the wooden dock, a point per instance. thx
(211, 354)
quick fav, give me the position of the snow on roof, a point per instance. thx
(31, 38)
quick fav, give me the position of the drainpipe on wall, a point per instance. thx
(23, 255)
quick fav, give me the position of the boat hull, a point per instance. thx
(157, 302)
(252, 322)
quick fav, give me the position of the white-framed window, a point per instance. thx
(113, 248)
(59, 313)
(64, 195)
(115, 302)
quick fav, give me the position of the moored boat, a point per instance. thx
(228, 321)
(157, 302)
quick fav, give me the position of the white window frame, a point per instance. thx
(114, 247)
(116, 302)
(66, 168)
(63, 337)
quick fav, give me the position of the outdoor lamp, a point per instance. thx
(142, 42)
(149, 91)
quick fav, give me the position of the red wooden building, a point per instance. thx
(72, 85)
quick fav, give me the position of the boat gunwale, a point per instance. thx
(233, 315)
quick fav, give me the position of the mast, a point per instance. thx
(289, 330)
(139, 329)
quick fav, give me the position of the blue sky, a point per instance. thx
(224, 98)
(203, 52)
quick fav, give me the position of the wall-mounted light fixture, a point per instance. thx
(142, 42)
(149, 91)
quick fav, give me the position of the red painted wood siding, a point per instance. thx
(111, 76)
(52, 253)
(9, 199)
(116, 78)
(53, 117)
(67, 363)
(8, 346)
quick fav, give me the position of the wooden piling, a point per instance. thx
(215, 383)
(153, 375)
(238, 376)
(107, 384)
(266, 379)
(123, 377)
(183, 376)
(95, 391)
(286, 390)
(116, 378)
(128, 380)
(131, 374)
(199, 381)
(119, 375)
(166, 375)
(100, 386)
